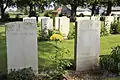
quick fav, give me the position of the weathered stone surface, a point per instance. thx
(29, 19)
(82, 18)
(47, 23)
(62, 24)
(21, 40)
(108, 21)
(88, 44)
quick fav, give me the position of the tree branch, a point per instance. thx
(7, 3)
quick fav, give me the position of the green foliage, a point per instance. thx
(103, 31)
(57, 72)
(102, 18)
(60, 62)
(32, 14)
(45, 34)
(71, 34)
(38, 30)
(115, 28)
(25, 11)
(51, 32)
(22, 74)
(6, 16)
(111, 62)
(38, 24)
(49, 13)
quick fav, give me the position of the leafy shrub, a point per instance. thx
(71, 34)
(102, 18)
(6, 16)
(103, 31)
(32, 14)
(115, 28)
(49, 13)
(61, 63)
(81, 15)
(22, 74)
(17, 16)
(51, 32)
(38, 24)
(45, 34)
(107, 63)
(111, 62)
(57, 72)
(25, 11)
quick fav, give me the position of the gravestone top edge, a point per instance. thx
(87, 20)
(19, 22)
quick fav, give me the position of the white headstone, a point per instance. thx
(57, 23)
(108, 21)
(21, 40)
(51, 24)
(82, 18)
(88, 44)
(95, 18)
(47, 23)
(64, 26)
(29, 19)
(39, 19)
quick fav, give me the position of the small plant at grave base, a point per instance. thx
(22, 74)
(111, 62)
(60, 62)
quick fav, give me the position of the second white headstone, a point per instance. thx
(87, 44)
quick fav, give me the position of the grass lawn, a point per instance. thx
(2, 49)
(46, 48)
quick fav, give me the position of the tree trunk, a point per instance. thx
(73, 10)
(2, 13)
(2, 9)
(109, 8)
(93, 8)
(30, 10)
(34, 8)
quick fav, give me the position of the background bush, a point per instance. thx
(111, 62)
(103, 31)
(71, 34)
(48, 13)
(115, 28)
(43, 36)
(6, 17)
(102, 18)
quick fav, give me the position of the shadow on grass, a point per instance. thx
(46, 47)
(3, 56)
(45, 51)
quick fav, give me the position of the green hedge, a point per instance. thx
(115, 28)
(71, 34)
